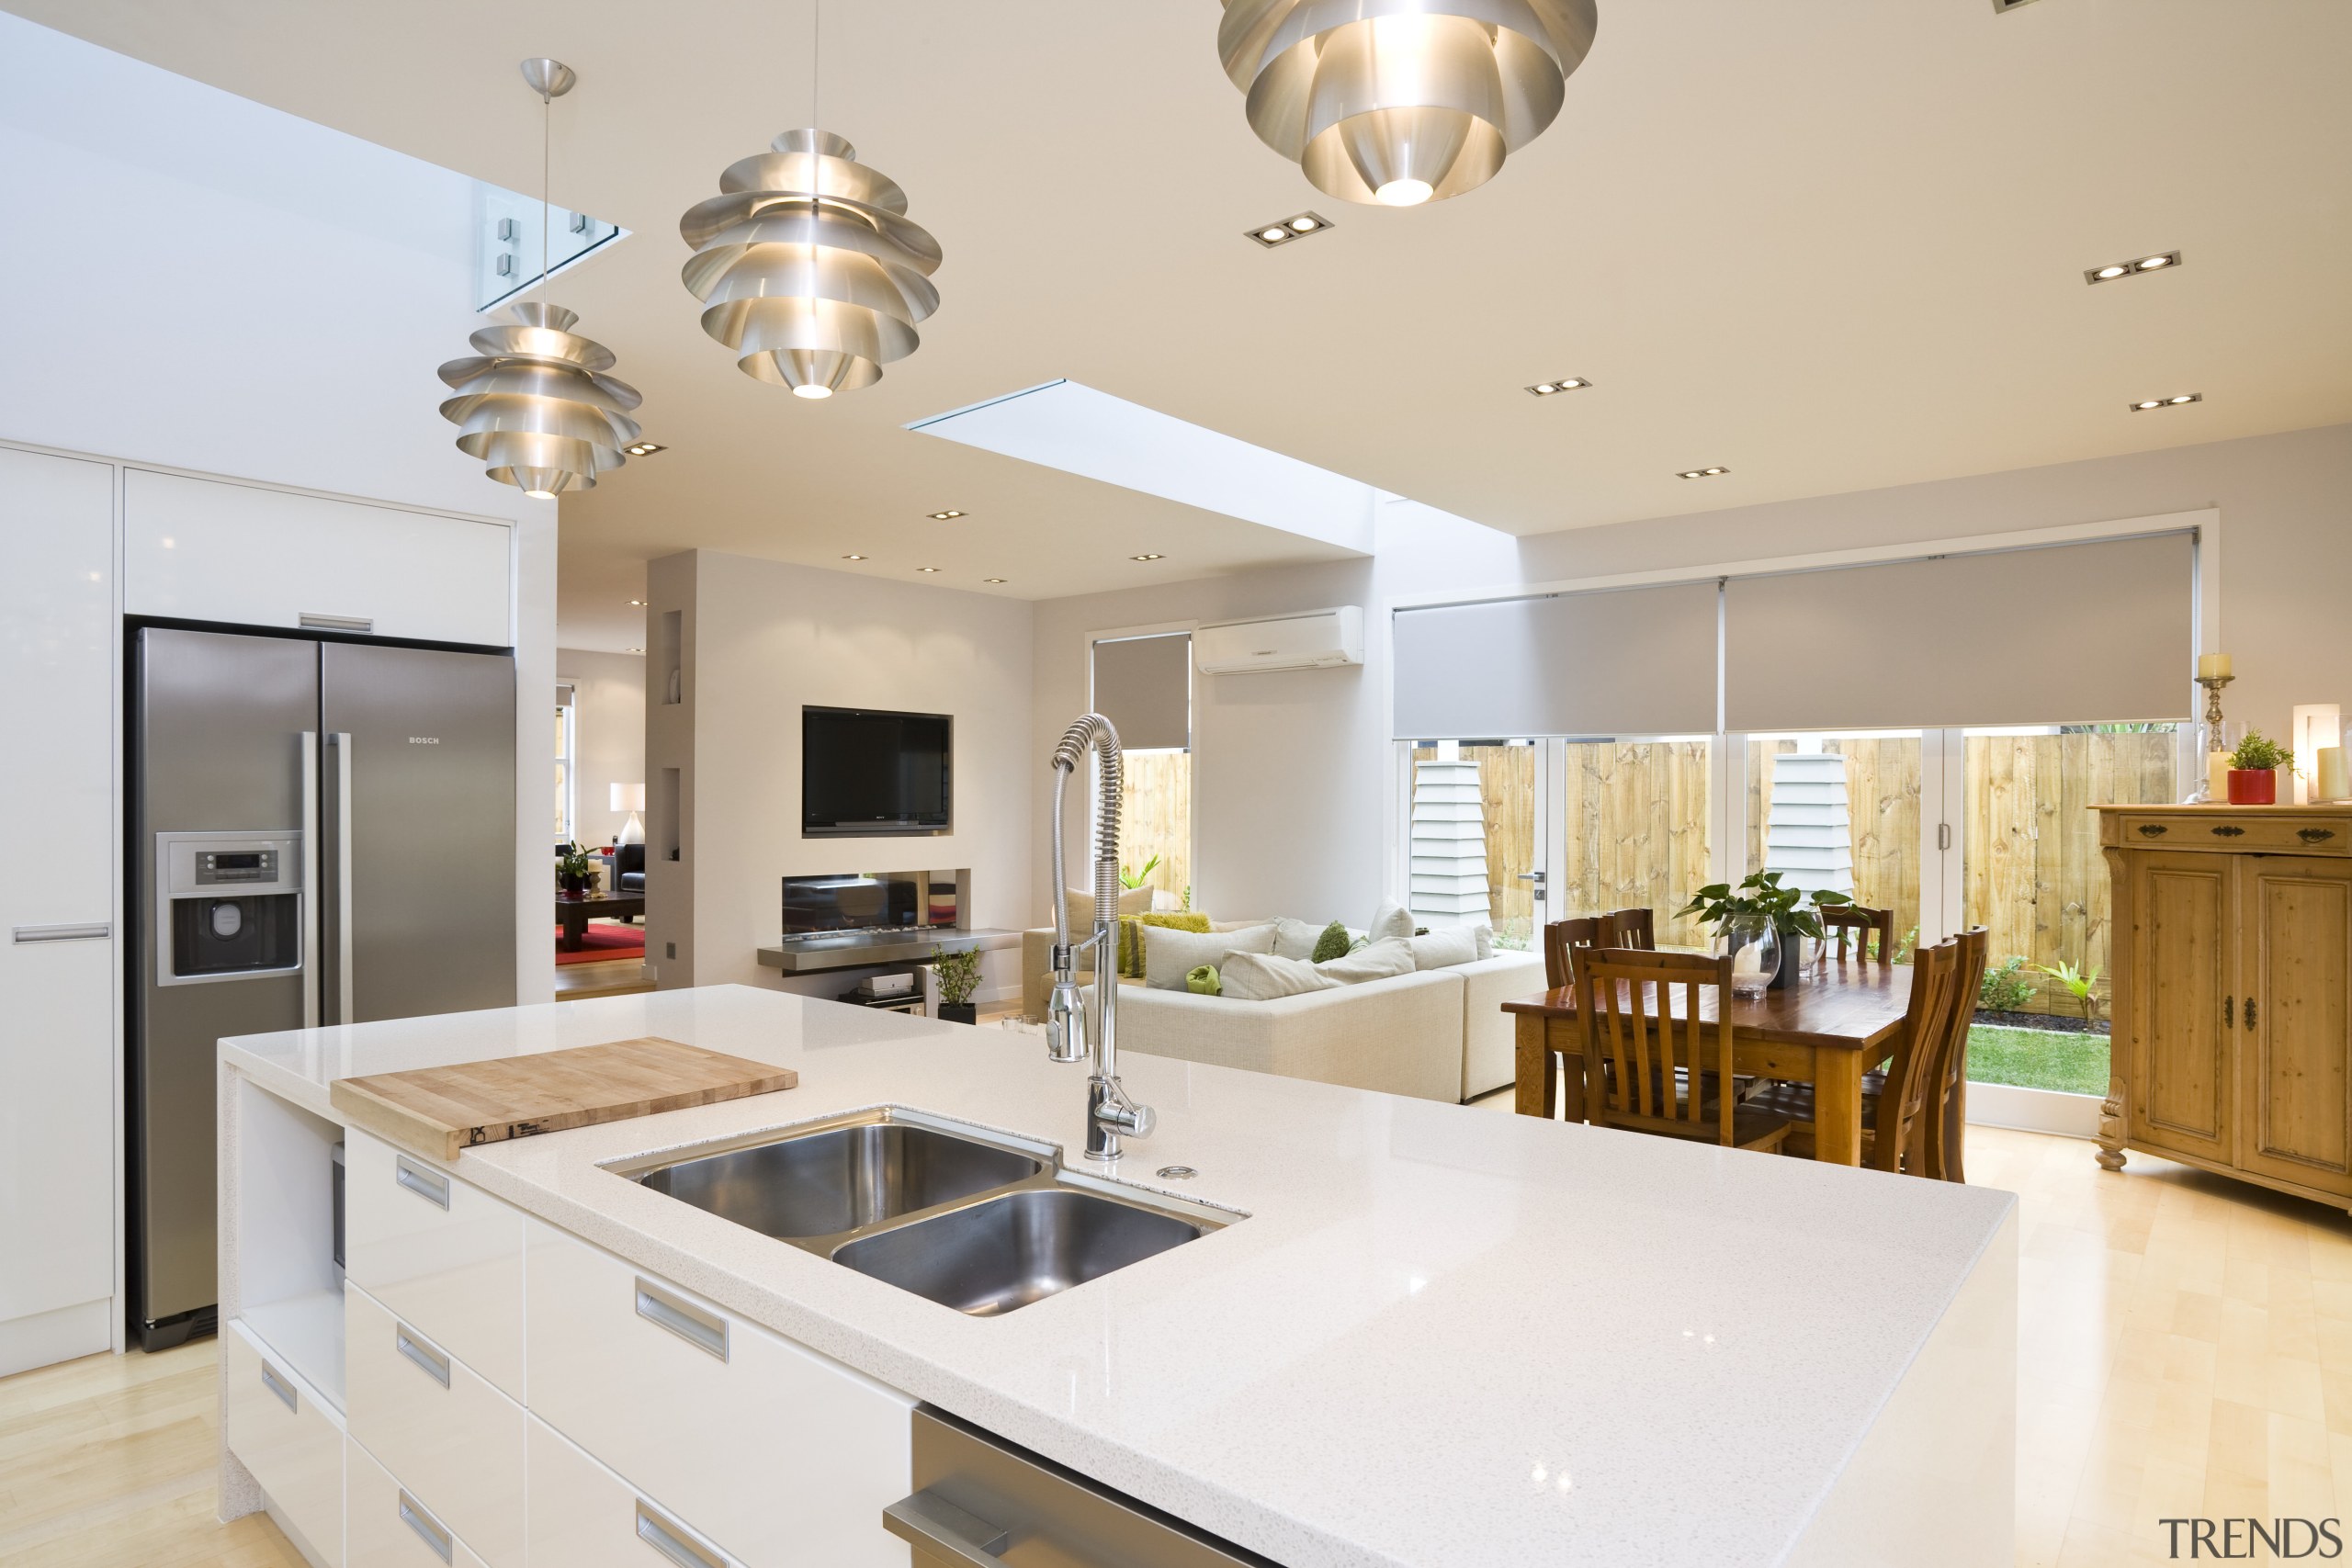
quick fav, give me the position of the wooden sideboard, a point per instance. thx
(2233, 992)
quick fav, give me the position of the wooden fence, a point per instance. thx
(1156, 818)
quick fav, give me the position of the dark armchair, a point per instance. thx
(629, 868)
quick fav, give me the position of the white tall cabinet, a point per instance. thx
(59, 987)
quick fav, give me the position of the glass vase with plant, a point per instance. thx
(958, 976)
(575, 871)
(1764, 918)
(2253, 769)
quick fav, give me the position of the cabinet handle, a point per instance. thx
(936, 1526)
(280, 1386)
(95, 930)
(2228, 832)
(705, 1331)
(435, 1364)
(2229, 1012)
(2314, 835)
(431, 1186)
(428, 1529)
(2249, 1012)
(2153, 830)
(669, 1537)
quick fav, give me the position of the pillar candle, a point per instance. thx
(2217, 775)
(2332, 781)
(2211, 666)
(2316, 725)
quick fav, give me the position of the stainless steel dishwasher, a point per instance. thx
(980, 1502)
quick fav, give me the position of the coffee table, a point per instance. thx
(573, 914)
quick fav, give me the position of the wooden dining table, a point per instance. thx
(1838, 1020)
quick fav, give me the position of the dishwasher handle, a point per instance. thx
(937, 1528)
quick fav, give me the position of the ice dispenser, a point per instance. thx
(231, 906)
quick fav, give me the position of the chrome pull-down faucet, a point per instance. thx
(1109, 1111)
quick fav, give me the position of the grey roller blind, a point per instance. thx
(1624, 661)
(2080, 634)
(1144, 686)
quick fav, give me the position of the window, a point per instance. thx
(566, 756)
(1840, 812)
(1143, 684)
(1635, 830)
(1475, 853)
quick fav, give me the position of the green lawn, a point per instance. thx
(2038, 1058)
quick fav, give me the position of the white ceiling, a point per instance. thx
(1830, 244)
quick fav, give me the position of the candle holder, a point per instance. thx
(2213, 684)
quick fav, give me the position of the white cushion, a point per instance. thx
(1444, 949)
(1170, 955)
(1133, 901)
(1375, 960)
(1263, 977)
(1390, 919)
(1486, 935)
(1295, 938)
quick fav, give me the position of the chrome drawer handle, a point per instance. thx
(429, 1185)
(669, 1537)
(2152, 830)
(280, 1387)
(435, 1364)
(97, 931)
(2314, 835)
(936, 1527)
(705, 1331)
(428, 1529)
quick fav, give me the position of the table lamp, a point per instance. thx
(630, 797)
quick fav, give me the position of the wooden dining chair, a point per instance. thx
(1653, 1066)
(1896, 1103)
(1563, 938)
(1634, 927)
(1844, 918)
(1948, 1125)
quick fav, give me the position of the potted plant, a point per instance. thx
(2254, 776)
(575, 871)
(958, 975)
(1760, 907)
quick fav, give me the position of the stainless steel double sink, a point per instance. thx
(985, 1222)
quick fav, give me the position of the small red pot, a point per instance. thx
(2253, 786)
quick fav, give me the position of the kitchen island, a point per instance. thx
(1427, 1337)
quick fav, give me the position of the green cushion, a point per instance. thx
(1131, 934)
(1204, 981)
(1333, 944)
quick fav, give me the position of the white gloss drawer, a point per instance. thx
(583, 1515)
(437, 1425)
(442, 1255)
(783, 1456)
(288, 1438)
(387, 1526)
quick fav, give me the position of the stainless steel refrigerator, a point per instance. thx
(322, 832)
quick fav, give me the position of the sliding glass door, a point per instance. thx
(1476, 849)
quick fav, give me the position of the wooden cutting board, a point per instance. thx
(438, 1111)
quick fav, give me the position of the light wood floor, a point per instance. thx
(2185, 1349)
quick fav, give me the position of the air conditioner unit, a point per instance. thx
(1313, 641)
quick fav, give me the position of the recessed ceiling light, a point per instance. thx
(926, 569)
(946, 515)
(2173, 401)
(644, 448)
(1565, 384)
(993, 580)
(637, 603)
(852, 557)
(1152, 557)
(2161, 262)
(1289, 229)
(1701, 473)
(632, 650)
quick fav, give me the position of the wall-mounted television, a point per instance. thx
(869, 773)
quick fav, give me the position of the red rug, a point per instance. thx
(605, 940)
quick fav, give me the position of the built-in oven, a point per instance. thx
(980, 1501)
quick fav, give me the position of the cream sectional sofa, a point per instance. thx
(1434, 1034)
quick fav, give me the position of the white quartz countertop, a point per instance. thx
(1442, 1336)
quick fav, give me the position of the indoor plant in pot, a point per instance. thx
(575, 871)
(958, 975)
(1758, 909)
(2254, 777)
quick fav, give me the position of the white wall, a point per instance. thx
(193, 279)
(1292, 770)
(764, 639)
(610, 735)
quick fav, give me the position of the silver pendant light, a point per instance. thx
(808, 268)
(1402, 101)
(533, 402)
